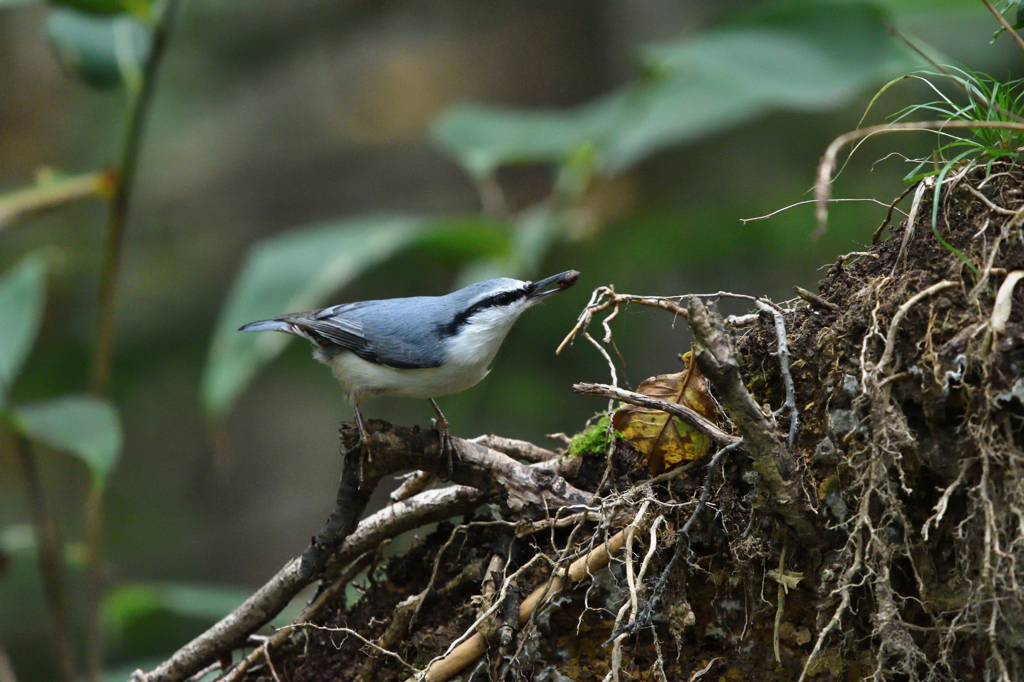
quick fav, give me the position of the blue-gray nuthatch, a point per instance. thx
(421, 347)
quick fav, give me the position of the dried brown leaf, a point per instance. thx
(664, 440)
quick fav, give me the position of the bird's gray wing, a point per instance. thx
(378, 334)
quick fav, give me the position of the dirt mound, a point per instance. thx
(909, 384)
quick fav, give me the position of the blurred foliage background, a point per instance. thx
(299, 153)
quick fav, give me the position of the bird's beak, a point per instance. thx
(561, 281)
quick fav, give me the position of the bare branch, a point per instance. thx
(520, 449)
(488, 472)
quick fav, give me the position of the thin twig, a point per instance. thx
(787, 376)
(433, 574)
(812, 201)
(888, 215)
(266, 655)
(894, 325)
(781, 603)
(604, 298)
(366, 642)
(815, 300)
(608, 359)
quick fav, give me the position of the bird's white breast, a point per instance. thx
(468, 357)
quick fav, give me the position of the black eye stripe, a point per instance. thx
(509, 297)
(502, 299)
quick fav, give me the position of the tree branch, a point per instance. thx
(520, 449)
(488, 474)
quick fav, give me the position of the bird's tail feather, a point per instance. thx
(268, 326)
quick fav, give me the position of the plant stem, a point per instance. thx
(114, 237)
(1005, 23)
(94, 583)
(51, 564)
(113, 242)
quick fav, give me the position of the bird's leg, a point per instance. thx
(445, 435)
(364, 441)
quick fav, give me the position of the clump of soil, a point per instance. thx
(910, 453)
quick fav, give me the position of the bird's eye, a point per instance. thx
(505, 298)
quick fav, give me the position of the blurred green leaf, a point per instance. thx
(84, 426)
(126, 604)
(798, 55)
(803, 56)
(672, 111)
(537, 229)
(484, 138)
(104, 51)
(22, 299)
(457, 239)
(298, 270)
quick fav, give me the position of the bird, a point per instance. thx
(418, 347)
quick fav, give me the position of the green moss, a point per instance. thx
(591, 441)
